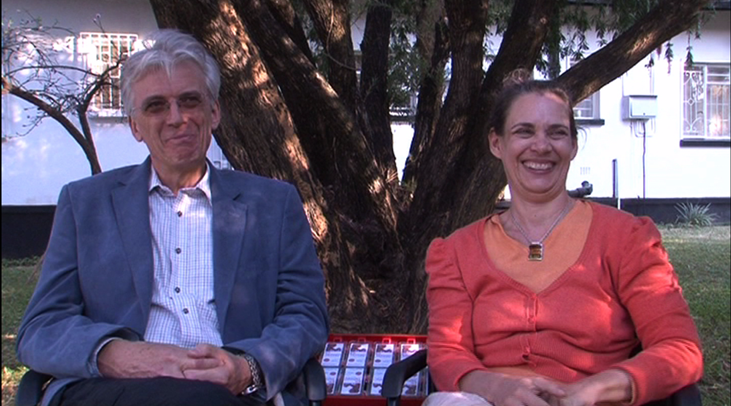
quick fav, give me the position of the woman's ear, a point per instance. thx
(494, 140)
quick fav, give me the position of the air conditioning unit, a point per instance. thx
(639, 107)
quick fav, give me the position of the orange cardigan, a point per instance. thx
(621, 288)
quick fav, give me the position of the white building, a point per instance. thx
(678, 152)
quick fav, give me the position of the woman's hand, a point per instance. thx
(509, 390)
(610, 386)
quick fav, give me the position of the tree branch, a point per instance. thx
(59, 117)
(659, 25)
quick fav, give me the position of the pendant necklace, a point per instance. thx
(535, 249)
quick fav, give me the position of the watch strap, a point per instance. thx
(256, 379)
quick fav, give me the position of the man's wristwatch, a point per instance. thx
(256, 382)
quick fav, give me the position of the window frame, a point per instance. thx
(98, 51)
(594, 118)
(704, 139)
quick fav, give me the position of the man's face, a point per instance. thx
(174, 116)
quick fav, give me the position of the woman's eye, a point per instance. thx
(524, 132)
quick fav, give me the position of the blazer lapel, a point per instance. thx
(229, 223)
(132, 214)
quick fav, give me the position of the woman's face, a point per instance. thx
(537, 147)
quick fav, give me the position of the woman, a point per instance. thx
(544, 303)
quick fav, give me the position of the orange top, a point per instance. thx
(585, 316)
(561, 249)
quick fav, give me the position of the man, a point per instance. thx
(172, 282)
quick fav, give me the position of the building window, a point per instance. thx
(706, 102)
(101, 52)
(586, 110)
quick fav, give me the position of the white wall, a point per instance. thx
(670, 170)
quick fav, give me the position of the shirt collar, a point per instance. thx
(204, 185)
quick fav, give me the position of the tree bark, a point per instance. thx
(332, 23)
(432, 42)
(374, 85)
(336, 146)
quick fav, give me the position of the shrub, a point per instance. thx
(696, 215)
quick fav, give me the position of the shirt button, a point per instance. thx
(186, 311)
(178, 250)
(177, 290)
(180, 214)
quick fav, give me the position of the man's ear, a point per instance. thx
(494, 140)
(135, 129)
(216, 115)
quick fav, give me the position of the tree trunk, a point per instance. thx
(374, 85)
(332, 23)
(433, 45)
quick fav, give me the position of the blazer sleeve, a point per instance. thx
(54, 336)
(648, 287)
(300, 327)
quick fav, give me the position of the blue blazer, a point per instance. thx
(97, 275)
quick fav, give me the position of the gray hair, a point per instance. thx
(165, 49)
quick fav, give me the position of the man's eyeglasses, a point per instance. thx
(160, 106)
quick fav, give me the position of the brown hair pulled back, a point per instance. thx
(518, 83)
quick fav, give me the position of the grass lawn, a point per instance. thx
(702, 259)
(701, 256)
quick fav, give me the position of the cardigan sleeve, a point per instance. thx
(451, 348)
(648, 287)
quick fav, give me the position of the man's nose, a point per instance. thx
(174, 116)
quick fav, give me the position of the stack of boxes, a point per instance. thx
(355, 366)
